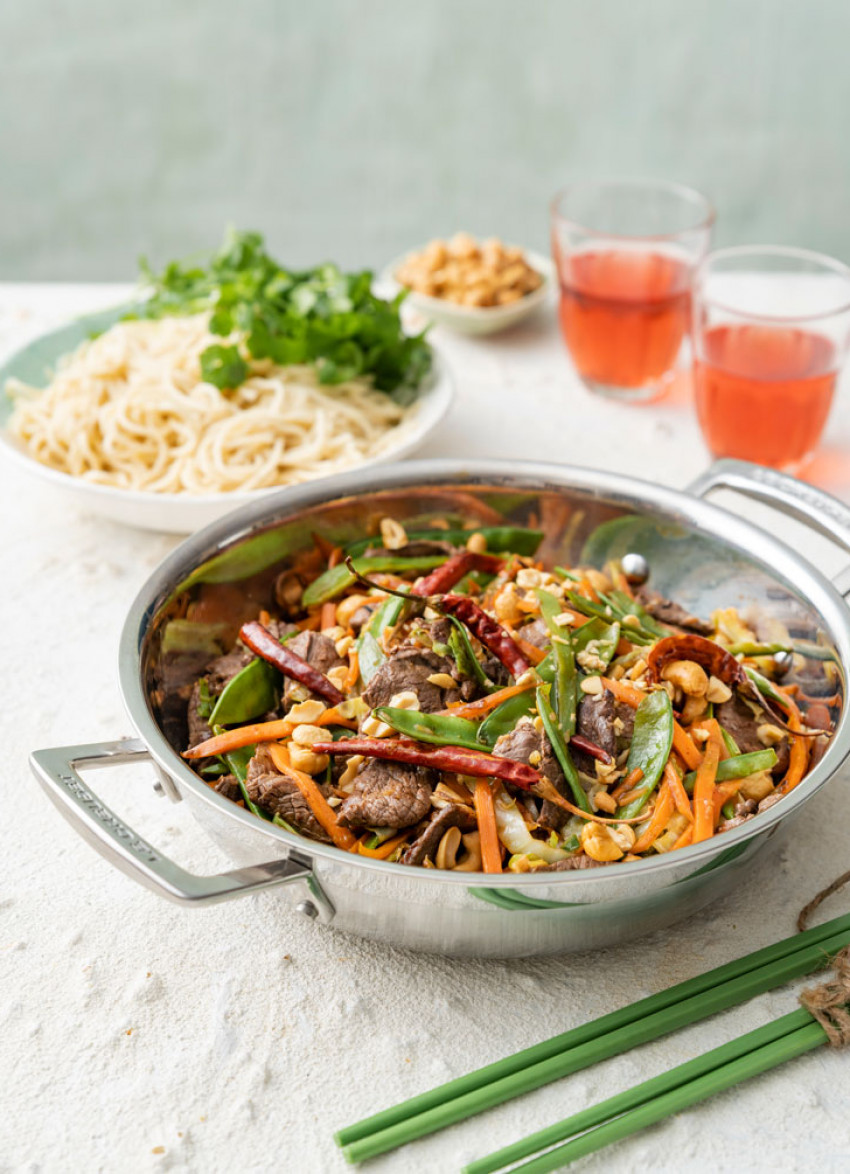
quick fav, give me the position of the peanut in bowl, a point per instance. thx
(472, 287)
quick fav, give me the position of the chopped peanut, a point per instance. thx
(464, 272)
(393, 534)
(599, 842)
(476, 543)
(306, 711)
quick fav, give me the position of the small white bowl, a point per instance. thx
(473, 319)
(180, 513)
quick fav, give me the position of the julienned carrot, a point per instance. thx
(704, 793)
(664, 808)
(327, 615)
(633, 696)
(586, 589)
(333, 717)
(628, 784)
(534, 654)
(485, 810)
(799, 757)
(677, 790)
(241, 736)
(335, 556)
(686, 838)
(383, 850)
(475, 709)
(723, 792)
(316, 801)
(353, 670)
(310, 624)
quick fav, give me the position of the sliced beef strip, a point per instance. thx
(571, 864)
(428, 841)
(595, 721)
(224, 668)
(408, 669)
(737, 719)
(523, 741)
(319, 651)
(277, 795)
(666, 611)
(388, 795)
(626, 716)
(228, 786)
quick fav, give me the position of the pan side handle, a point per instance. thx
(817, 509)
(58, 771)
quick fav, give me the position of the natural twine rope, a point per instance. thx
(808, 910)
(828, 1002)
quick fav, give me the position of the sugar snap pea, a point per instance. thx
(605, 638)
(439, 729)
(337, 579)
(651, 743)
(499, 539)
(503, 719)
(738, 767)
(566, 684)
(553, 733)
(252, 692)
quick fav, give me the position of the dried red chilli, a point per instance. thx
(449, 758)
(580, 743)
(454, 569)
(261, 641)
(492, 635)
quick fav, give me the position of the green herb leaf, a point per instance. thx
(223, 367)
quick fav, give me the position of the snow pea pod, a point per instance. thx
(604, 636)
(252, 692)
(553, 733)
(624, 605)
(369, 651)
(503, 719)
(335, 580)
(566, 682)
(464, 656)
(650, 749)
(608, 612)
(738, 767)
(237, 763)
(439, 729)
(500, 539)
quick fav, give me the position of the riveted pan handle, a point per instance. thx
(57, 771)
(820, 510)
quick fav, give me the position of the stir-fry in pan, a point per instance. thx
(444, 700)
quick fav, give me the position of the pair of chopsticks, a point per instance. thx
(610, 1035)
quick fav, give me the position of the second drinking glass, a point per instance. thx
(625, 253)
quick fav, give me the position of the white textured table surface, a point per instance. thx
(138, 1036)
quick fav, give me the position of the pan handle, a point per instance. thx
(820, 510)
(57, 770)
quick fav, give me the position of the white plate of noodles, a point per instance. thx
(115, 414)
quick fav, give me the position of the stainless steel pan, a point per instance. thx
(702, 555)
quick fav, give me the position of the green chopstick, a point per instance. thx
(545, 1050)
(643, 1093)
(701, 1002)
(787, 1047)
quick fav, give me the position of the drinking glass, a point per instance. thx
(625, 252)
(771, 330)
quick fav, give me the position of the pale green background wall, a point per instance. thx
(354, 128)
